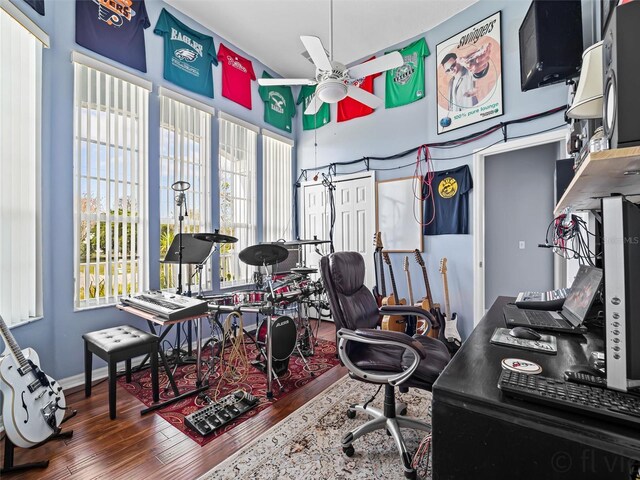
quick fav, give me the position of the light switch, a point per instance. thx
(521, 244)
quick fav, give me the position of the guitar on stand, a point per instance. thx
(449, 335)
(427, 303)
(396, 323)
(411, 319)
(378, 293)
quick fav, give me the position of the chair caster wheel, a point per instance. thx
(388, 432)
(403, 412)
(348, 451)
(351, 414)
(412, 475)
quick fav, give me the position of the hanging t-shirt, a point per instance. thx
(451, 198)
(114, 29)
(350, 108)
(279, 107)
(237, 73)
(188, 55)
(405, 84)
(322, 117)
(37, 5)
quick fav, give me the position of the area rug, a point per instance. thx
(306, 445)
(253, 381)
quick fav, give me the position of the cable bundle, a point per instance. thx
(570, 238)
(235, 367)
(422, 457)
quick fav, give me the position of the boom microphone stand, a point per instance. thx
(180, 187)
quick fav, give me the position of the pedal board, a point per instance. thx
(210, 418)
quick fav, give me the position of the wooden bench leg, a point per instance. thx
(112, 388)
(88, 367)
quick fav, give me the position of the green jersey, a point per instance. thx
(405, 84)
(309, 122)
(279, 107)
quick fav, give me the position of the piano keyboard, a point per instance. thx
(168, 306)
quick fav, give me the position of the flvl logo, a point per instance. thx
(114, 12)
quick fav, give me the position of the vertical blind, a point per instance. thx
(185, 154)
(237, 169)
(20, 98)
(277, 187)
(110, 190)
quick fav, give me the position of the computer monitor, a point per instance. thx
(583, 291)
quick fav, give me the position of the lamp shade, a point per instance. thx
(587, 102)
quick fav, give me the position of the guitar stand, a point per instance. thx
(9, 449)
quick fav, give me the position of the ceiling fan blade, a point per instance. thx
(380, 64)
(369, 99)
(269, 82)
(316, 52)
(314, 105)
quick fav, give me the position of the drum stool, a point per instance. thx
(115, 345)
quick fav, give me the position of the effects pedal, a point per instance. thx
(210, 418)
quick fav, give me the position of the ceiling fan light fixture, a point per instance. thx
(331, 91)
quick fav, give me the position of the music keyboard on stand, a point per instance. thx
(167, 306)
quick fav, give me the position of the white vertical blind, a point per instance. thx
(277, 190)
(185, 154)
(237, 168)
(20, 203)
(110, 191)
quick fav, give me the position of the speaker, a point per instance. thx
(550, 43)
(564, 175)
(621, 65)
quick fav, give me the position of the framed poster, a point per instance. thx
(469, 78)
(399, 214)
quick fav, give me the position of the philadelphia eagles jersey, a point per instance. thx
(279, 107)
(405, 84)
(188, 55)
(309, 122)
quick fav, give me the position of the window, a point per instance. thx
(237, 168)
(110, 194)
(277, 214)
(185, 154)
(20, 203)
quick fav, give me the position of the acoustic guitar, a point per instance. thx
(427, 303)
(411, 319)
(32, 402)
(449, 334)
(393, 322)
(378, 293)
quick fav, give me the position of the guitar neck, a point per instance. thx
(7, 336)
(426, 284)
(393, 284)
(445, 285)
(383, 287)
(409, 287)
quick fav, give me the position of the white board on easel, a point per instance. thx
(400, 214)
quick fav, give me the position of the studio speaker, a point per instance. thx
(621, 66)
(550, 43)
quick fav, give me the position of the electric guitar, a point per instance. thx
(380, 293)
(449, 334)
(32, 402)
(393, 322)
(427, 303)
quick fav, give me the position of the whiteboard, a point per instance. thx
(399, 214)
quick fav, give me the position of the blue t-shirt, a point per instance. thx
(112, 29)
(450, 190)
(37, 5)
(188, 55)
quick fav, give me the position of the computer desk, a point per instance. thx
(479, 434)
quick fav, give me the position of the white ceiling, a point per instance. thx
(269, 30)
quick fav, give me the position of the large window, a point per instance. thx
(185, 154)
(20, 203)
(110, 191)
(277, 214)
(237, 168)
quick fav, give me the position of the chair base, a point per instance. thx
(390, 422)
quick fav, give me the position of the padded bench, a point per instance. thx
(115, 345)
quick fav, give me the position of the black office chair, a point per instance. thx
(378, 356)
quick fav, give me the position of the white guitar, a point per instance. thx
(32, 402)
(450, 332)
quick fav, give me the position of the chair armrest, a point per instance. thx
(409, 310)
(385, 338)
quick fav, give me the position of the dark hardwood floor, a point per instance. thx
(139, 447)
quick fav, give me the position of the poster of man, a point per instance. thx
(469, 78)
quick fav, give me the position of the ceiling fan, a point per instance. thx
(334, 80)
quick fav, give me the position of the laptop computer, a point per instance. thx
(583, 293)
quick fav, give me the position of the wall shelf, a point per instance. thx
(600, 175)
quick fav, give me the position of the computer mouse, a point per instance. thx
(525, 333)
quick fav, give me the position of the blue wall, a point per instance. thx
(57, 338)
(387, 132)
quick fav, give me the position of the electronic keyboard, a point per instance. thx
(165, 305)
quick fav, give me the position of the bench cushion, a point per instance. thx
(118, 339)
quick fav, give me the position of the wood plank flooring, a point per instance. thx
(139, 447)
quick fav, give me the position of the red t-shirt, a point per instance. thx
(237, 73)
(349, 108)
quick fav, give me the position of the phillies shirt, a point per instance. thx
(188, 55)
(349, 108)
(237, 73)
(114, 28)
(451, 201)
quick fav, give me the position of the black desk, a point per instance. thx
(479, 434)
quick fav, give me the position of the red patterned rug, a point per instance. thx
(253, 380)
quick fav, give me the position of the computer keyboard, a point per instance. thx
(596, 402)
(540, 319)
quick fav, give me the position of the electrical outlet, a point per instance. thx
(521, 244)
